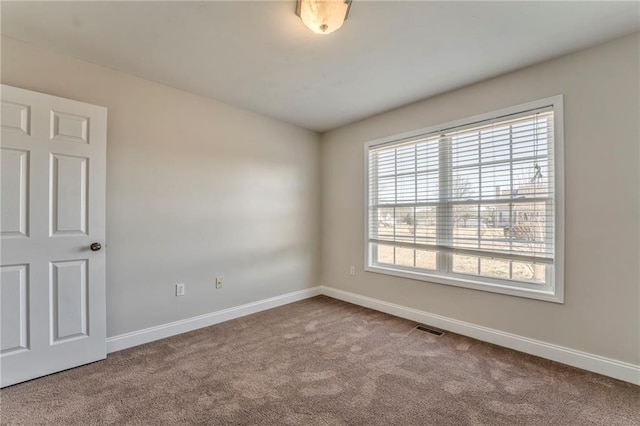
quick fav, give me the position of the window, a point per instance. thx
(475, 203)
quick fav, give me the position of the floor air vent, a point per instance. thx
(429, 330)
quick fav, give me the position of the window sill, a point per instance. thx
(546, 294)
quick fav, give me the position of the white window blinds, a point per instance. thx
(469, 201)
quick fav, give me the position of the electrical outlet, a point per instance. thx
(180, 289)
(219, 282)
(352, 270)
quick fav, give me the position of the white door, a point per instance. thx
(52, 209)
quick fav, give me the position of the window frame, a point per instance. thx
(553, 294)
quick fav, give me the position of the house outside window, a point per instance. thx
(475, 203)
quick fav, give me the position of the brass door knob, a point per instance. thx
(95, 246)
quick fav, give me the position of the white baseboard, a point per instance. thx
(139, 337)
(597, 364)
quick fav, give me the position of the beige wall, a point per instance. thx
(601, 313)
(195, 189)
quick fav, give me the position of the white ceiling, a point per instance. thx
(259, 56)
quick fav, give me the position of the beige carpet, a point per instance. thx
(321, 362)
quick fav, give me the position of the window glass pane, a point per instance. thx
(386, 162)
(466, 226)
(527, 236)
(406, 159)
(426, 259)
(404, 224)
(425, 225)
(495, 144)
(427, 156)
(496, 181)
(385, 221)
(465, 264)
(529, 138)
(495, 225)
(385, 254)
(404, 256)
(406, 189)
(427, 186)
(464, 149)
(498, 268)
(381, 225)
(465, 184)
(387, 190)
(527, 271)
(530, 179)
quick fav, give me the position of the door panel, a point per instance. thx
(15, 117)
(69, 300)
(14, 181)
(14, 308)
(69, 127)
(52, 286)
(68, 195)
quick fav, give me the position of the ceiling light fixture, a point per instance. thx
(323, 16)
